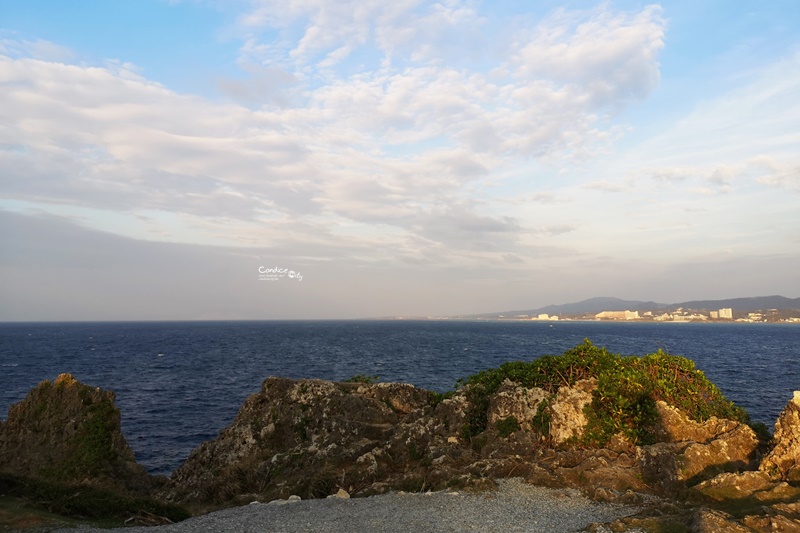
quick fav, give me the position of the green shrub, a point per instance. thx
(362, 378)
(85, 501)
(626, 394)
(541, 420)
(507, 426)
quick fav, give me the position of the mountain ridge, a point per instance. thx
(608, 303)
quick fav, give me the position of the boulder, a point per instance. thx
(693, 451)
(771, 523)
(68, 432)
(674, 426)
(735, 486)
(711, 521)
(783, 462)
(731, 451)
(511, 399)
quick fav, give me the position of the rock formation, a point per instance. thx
(317, 438)
(68, 432)
(313, 437)
(783, 462)
(692, 451)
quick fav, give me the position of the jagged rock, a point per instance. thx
(69, 432)
(513, 400)
(735, 486)
(769, 524)
(674, 426)
(730, 451)
(601, 473)
(313, 437)
(792, 509)
(783, 462)
(689, 462)
(708, 521)
(567, 419)
(316, 437)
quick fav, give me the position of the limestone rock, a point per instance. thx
(68, 432)
(731, 451)
(317, 438)
(309, 436)
(708, 521)
(735, 486)
(567, 419)
(513, 400)
(671, 464)
(675, 426)
(768, 524)
(783, 462)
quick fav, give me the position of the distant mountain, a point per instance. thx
(592, 305)
(745, 304)
(596, 305)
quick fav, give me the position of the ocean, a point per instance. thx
(180, 383)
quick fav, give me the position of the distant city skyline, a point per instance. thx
(185, 160)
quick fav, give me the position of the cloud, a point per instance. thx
(606, 186)
(271, 86)
(608, 56)
(385, 144)
(784, 174)
(12, 46)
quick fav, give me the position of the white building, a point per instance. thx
(618, 315)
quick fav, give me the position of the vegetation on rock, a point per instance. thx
(624, 400)
(87, 502)
(62, 450)
(507, 426)
(362, 378)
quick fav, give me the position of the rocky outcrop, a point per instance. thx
(763, 498)
(315, 439)
(68, 432)
(692, 451)
(783, 462)
(312, 438)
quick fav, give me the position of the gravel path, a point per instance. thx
(515, 506)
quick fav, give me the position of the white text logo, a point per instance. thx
(276, 273)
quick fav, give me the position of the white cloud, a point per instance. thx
(388, 147)
(12, 46)
(390, 133)
(609, 56)
(784, 173)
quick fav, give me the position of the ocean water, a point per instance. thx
(180, 383)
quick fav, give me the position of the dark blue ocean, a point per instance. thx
(179, 384)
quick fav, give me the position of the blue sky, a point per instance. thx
(415, 158)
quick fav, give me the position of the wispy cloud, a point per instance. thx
(445, 136)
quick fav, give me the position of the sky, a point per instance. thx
(337, 159)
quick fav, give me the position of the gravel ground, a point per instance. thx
(515, 506)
